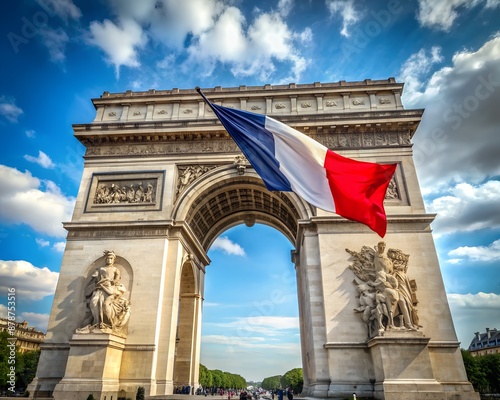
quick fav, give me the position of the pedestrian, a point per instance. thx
(289, 393)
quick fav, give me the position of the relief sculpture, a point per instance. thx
(124, 192)
(108, 310)
(386, 296)
(188, 174)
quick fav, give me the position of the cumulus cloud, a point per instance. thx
(442, 14)
(346, 10)
(467, 208)
(458, 137)
(43, 160)
(9, 110)
(210, 32)
(30, 282)
(247, 52)
(226, 245)
(417, 66)
(473, 313)
(119, 42)
(478, 253)
(24, 199)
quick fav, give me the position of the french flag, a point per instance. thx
(288, 160)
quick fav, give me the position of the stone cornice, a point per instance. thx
(362, 120)
(139, 230)
(248, 91)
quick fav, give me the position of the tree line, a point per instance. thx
(483, 372)
(215, 378)
(292, 379)
(17, 371)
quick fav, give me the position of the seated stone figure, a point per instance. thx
(108, 309)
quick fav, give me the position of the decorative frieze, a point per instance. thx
(133, 191)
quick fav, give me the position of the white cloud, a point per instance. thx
(263, 325)
(227, 246)
(64, 9)
(30, 282)
(43, 160)
(9, 109)
(457, 139)
(442, 14)
(473, 313)
(247, 342)
(119, 42)
(55, 40)
(30, 133)
(42, 242)
(267, 41)
(285, 7)
(24, 199)
(39, 321)
(212, 32)
(478, 253)
(59, 246)
(416, 67)
(467, 208)
(170, 21)
(347, 11)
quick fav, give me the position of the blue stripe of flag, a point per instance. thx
(256, 142)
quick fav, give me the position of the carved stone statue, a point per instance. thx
(387, 299)
(188, 175)
(108, 309)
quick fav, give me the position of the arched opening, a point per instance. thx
(250, 312)
(223, 200)
(185, 345)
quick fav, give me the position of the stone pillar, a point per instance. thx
(312, 316)
(186, 340)
(93, 367)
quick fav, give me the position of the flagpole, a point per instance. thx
(204, 98)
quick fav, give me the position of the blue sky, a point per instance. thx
(58, 54)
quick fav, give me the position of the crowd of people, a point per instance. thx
(242, 394)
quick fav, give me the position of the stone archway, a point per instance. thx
(162, 179)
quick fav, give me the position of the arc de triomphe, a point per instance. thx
(162, 179)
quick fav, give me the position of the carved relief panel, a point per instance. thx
(386, 296)
(125, 192)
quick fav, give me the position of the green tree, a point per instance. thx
(217, 377)
(272, 382)
(4, 358)
(489, 364)
(293, 379)
(205, 378)
(26, 364)
(475, 375)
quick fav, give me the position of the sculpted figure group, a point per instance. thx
(107, 308)
(133, 193)
(387, 298)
